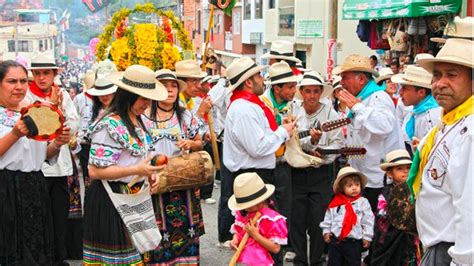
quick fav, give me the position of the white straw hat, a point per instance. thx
(355, 62)
(346, 171)
(279, 73)
(418, 57)
(88, 79)
(249, 190)
(394, 158)
(414, 76)
(458, 28)
(139, 80)
(102, 86)
(281, 50)
(384, 73)
(43, 61)
(166, 74)
(189, 69)
(455, 51)
(313, 78)
(241, 70)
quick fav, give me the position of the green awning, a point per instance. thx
(383, 9)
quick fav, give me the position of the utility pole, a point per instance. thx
(332, 38)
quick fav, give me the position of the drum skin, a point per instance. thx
(48, 119)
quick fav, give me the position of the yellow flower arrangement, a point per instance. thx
(144, 44)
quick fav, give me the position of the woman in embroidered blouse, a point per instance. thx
(119, 146)
(178, 213)
(26, 227)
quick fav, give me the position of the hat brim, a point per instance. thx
(427, 63)
(363, 178)
(95, 92)
(340, 69)
(282, 57)
(438, 40)
(385, 166)
(382, 78)
(246, 76)
(234, 206)
(291, 79)
(159, 93)
(181, 84)
(398, 79)
(201, 75)
(49, 67)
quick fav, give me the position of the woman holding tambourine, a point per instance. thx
(26, 228)
(178, 213)
(116, 230)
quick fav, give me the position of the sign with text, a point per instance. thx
(310, 28)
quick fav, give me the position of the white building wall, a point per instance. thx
(252, 25)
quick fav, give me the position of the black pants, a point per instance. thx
(311, 195)
(206, 190)
(224, 215)
(437, 255)
(58, 193)
(282, 182)
(345, 253)
(84, 160)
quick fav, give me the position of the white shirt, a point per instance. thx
(83, 106)
(64, 165)
(220, 98)
(249, 141)
(401, 111)
(424, 122)
(363, 229)
(329, 140)
(444, 204)
(374, 125)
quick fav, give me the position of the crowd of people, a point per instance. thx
(284, 143)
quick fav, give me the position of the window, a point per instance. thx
(41, 46)
(198, 26)
(25, 46)
(287, 21)
(258, 9)
(236, 22)
(247, 9)
(46, 44)
(271, 4)
(11, 46)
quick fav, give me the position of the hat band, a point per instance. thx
(43, 65)
(313, 78)
(456, 37)
(104, 87)
(139, 85)
(166, 76)
(283, 54)
(336, 84)
(252, 196)
(400, 159)
(282, 76)
(236, 78)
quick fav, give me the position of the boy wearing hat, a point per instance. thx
(349, 222)
(441, 175)
(415, 91)
(44, 69)
(311, 186)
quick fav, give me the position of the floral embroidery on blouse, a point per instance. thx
(8, 117)
(171, 129)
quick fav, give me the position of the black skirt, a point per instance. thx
(26, 225)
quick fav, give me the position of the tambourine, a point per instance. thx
(44, 120)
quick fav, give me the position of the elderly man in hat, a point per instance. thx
(441, 174)
(43, 88)
(373, 120)
(311, 186)
(415, 91)
(252, 135)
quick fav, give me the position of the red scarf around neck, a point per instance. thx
(39, 92)
(350, 217)
(248, 96)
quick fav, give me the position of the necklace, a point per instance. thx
(165, 110)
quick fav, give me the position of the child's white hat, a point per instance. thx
(395, 158)
(249, 190)
(346, 171)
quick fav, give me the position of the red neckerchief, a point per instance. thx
(88, 95)
(245, 95)
(201, 95)
(296, 71)
(38, 92)
(350, 217)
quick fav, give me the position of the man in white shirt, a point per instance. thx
(44, 69)
(442, 186)
(252, 135)
(373, 120)
(416, 91)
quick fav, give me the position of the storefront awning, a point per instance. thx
(384, 9)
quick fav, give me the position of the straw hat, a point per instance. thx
(139, 80)
(313, 78)
(395, 158)
(336, 82)
(189, 69)
(414, 76)
(455, 51)
(166, 74)
(281, 50)
(458, 28)
(422, 56)
(102, 86)
(355, 62)
(281, 72)
(346, 171)
(300, 67)
(249, 190)
(43, 61)
(88, 79)
(384, 73)
(240, 70)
